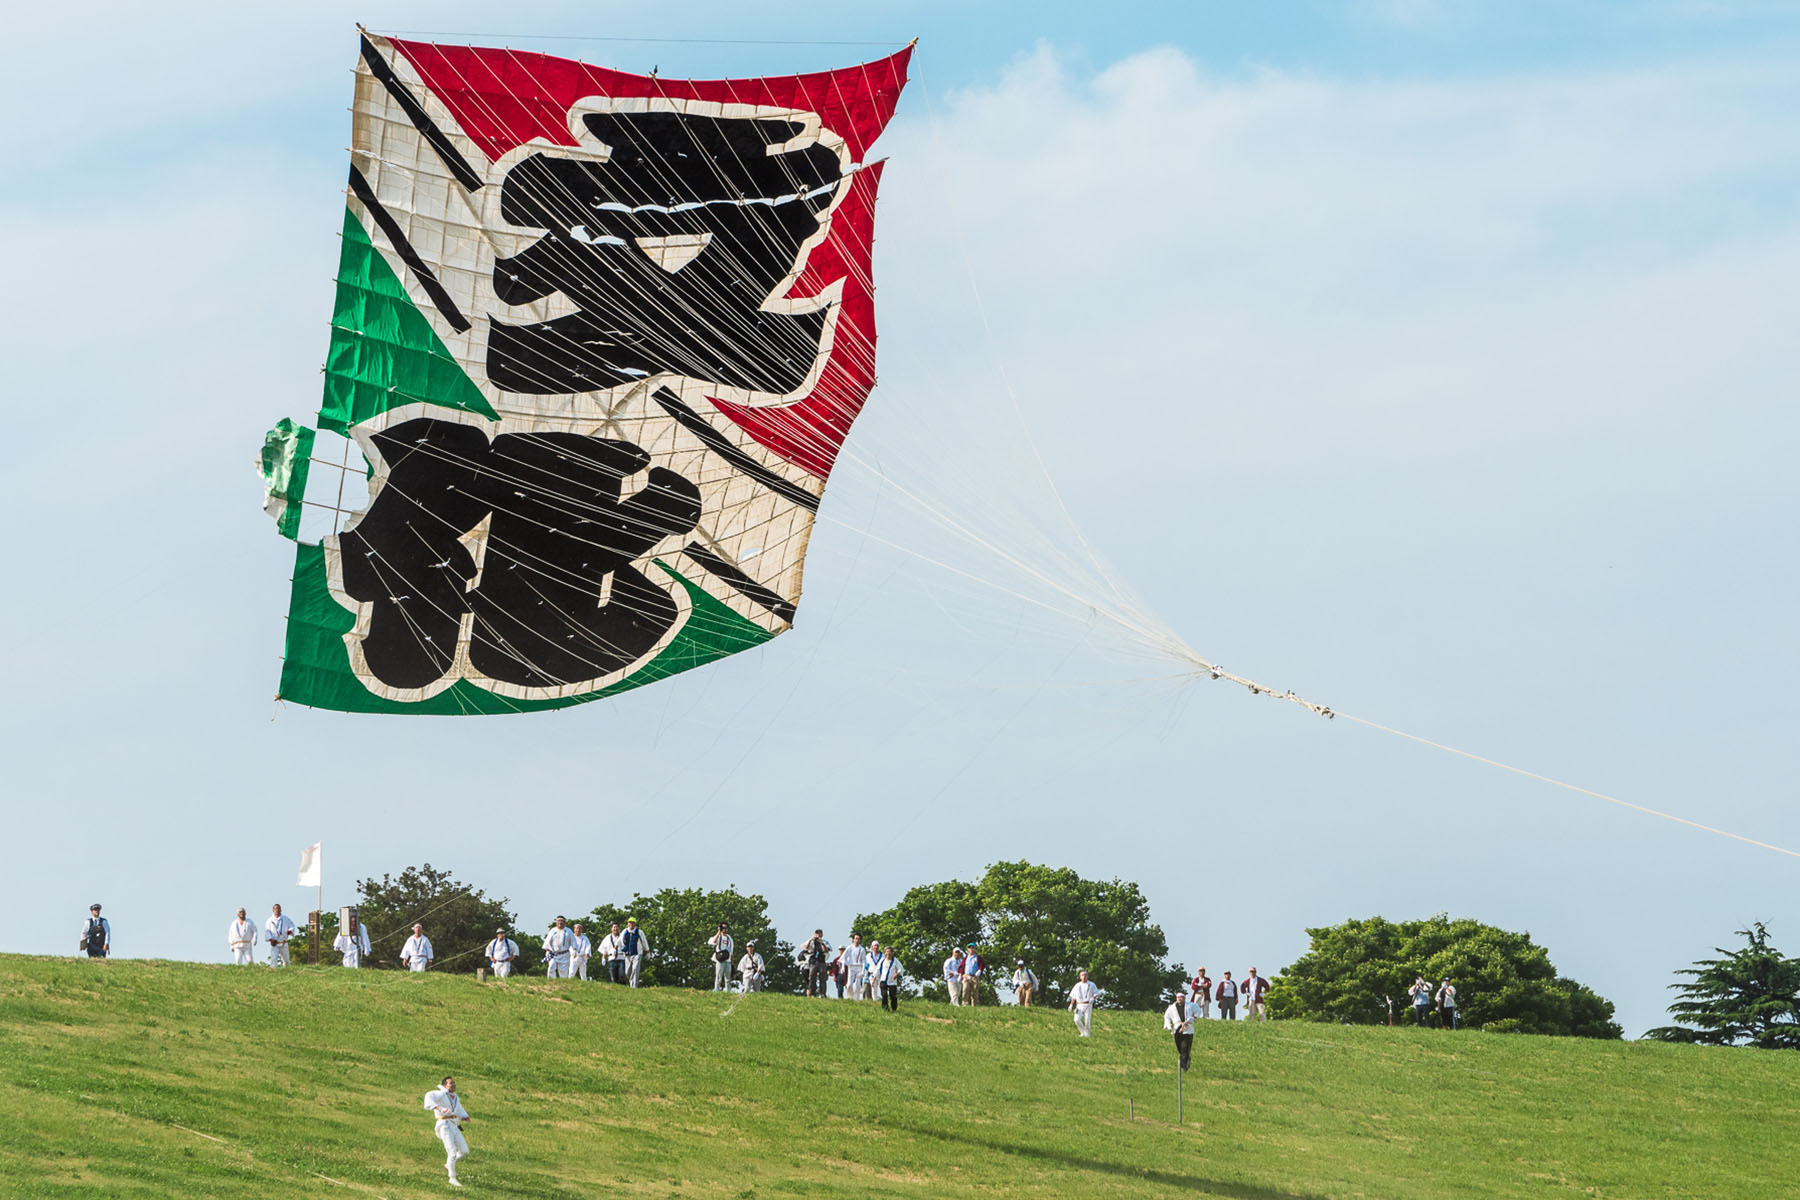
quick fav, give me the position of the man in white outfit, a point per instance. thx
(751, 968)
(557, 945)
(635, 946)
(240, 939)
(721, 945)
(579, 952)
(416, 955)
(1178, 1019)
(1081, 1003)
(953, 976)
(277, 931)
(871, 985)
(353, 944)
(1024, 981)
(855, 961)
(444, 1104)
(500, 954)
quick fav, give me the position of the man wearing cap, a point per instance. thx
(1081, 1003)
(972, 967)
(750, 969)
(856, 960)
(953, 975)
(352, 943)
(871, 986)
(1201, 989)
(1024, 984)
(579, 952)
(634, 946)
(721, 946)
(96, 935)
(1178, 1018)
(501, 953)
(277, 931)
(1446, 998)
(240, 939)
(1254, 987)
(612, 954)
(557, 945)
(416, 955)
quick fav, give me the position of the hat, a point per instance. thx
(93, 908)
(1021, 962)
(631, 920)
(500, 932)
(971, 945)
(749, 944)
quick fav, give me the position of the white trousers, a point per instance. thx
(634, 963)
(559, 965)
(455, 1145)
(418, 964)
(241, 952)
(502, 969)
(1084, 1019)
(578, 966)
(954, 986)
(1205, 1008)
(853, 983)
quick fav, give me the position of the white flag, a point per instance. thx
(309, 865)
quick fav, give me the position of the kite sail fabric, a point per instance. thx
(597, 341)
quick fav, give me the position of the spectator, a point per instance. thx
(240, 939)
(277, 932)
(1450, 1018)
(579, 953)
(96, 935)
(1420, 991)
(814, 957)
(837, 970)
(750, 969)
(1226, 993)
(416, 955)
(352, 943)
(502, 952)
(612, 954)
(856, 961)
(1081, 1003)
(953, 976)
(888, 973)
(972, 967)
(1178, 1018)
(1202, 991)
(634, 945)
(721, 946)
(1254, 987)
(871, 985)
(1024, 984)
(559, 943)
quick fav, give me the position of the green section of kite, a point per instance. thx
(286, 456)
(317, 669)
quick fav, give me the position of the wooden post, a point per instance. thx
(1178, 1074)
(312, 934)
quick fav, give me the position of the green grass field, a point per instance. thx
(174, 1080)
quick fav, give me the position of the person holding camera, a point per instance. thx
(750, 969)
(814, 956)
(722, 947)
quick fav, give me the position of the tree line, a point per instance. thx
(1355, 972)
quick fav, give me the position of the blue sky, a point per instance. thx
(1432, 360)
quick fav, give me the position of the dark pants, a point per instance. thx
(616, 968)
(1184, 1046)
(890, 997)
(815, 979)
(1421, 1015)
(1450, 1018)
(1228, 1010)
(96, 952)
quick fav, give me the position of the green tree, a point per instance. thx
(677, 922)
(1748, 997)
(459, 919)
(1357, 973)
(1055, 920)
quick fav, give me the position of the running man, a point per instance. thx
(444, 1104)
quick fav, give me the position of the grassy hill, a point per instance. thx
(160, 1079)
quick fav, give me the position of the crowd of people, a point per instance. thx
(854, 971)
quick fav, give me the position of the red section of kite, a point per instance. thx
(502, 99)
